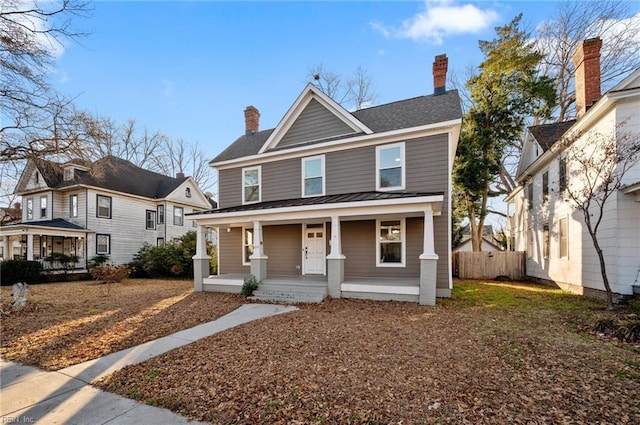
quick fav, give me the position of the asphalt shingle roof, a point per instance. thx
(58, 223)
(114, 174)
(418, 111)
(547, 134)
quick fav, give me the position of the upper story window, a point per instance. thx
(251, 177)
(390, 167)
(187, 192)
(178, 216)
(313, 176)
(30, 209)
(43, 207)
(545, 186)
(160, 214)
(103, 209)
(391, 247)
(530, 195)
(73, 205)
(562, 174)
(563, 238)
(150, 220)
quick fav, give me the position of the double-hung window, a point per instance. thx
(390, 167)
(104, 206)
(103, 244)
(160, 214)
(30, 209)
(43, 207)
(247, 245)
(251, 183)
(530, 195)
(391, 246)
(178, 216)
(545, 240)
(150, 219)
(313, 176)
(563, 238)
(73, 205)
(562, 174)
(545, 186)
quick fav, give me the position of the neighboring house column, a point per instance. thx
(428, 262)
(335, 260)
(201, 261)
(258, 258)
(6, 246)
(29, 247)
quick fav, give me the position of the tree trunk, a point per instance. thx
(603, 266)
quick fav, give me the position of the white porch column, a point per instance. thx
(6, 248)
(201, 261)
(428, 262)
(258, 258)
(29, 247)
(335, 260)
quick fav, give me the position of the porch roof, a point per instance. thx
(358, 204)
(57, 226)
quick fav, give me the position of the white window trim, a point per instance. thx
(29, 209)
(244, 245)
(98, 196)
(322, 175)
(403, 242)
(147, 221)
(403, 167)
(175, 208)
(159, 216)
(46, 206)
(244, 170)
(566, 217)
(73, 213)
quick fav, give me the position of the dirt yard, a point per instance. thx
(69, 323)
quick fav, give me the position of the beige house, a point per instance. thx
(339, 203)
(109, 207)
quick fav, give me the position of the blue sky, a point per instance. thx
(188, 69)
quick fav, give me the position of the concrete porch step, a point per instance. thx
(290, 293)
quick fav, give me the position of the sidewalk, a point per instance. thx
(32, 396)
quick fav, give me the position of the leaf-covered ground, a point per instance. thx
(494, 354)
(69, 323)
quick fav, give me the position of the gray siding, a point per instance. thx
(282, 180)
(283, 246)
(351, 170)
(314, 123)
(230, 252)
(230, 187)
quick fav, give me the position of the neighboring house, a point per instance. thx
(357, 202)
(559, 248)
(107, 207)
(488, 241)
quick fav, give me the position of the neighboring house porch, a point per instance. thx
(35, 241)
(375, 245)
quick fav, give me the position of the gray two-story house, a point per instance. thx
(356, 204)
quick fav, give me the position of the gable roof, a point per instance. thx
(111, 173)
(547, 134)
(415, 112)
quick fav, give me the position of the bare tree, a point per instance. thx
(575, 21)
(33, 115)
(597, 164)
(181, 156)
(354, 93)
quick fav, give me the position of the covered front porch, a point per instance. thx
(57, 244)
(399, 264)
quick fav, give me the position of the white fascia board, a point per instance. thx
(343, 209)
(342, 144)
(26, 228)
(203, 199)
(513, 193)
(311, 92)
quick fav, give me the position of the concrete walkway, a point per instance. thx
(33, 396)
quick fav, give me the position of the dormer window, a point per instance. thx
(68, 174)
(37, 177)
(187, 192)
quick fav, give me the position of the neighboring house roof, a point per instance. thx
(487, 230)
(57, 223)
(322, 200)
(112, 173)
(409, 113)
(486, 243)
(548, 134)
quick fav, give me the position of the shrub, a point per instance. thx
(14, 271)
(110, 274)
(250, 284)
(97, 261)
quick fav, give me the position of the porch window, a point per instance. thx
(178, 216)
(390, 167)
(104, 206)
(103, 244)
(73, 205)
(160, 214)
(313, 176)
(43, 207)
(30, 209)
(563, 237)
(247, 245)
(251, 185)
(391, 248)
(150, 220)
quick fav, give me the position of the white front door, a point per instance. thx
(313, 249)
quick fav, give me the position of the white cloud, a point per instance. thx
(439, 19)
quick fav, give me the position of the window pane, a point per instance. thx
(390, 231)
(251, 177)
(251, 193)
(391, 252)
(248, 252)
(391, 177)
(390, 157)
(313, 168)
(313, 186)
(248, 237)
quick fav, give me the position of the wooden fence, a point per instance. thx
(489, 265)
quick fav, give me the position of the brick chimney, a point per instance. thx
(180, 175)
(440, 74)
(251, 120)
(586, 61)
